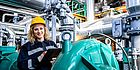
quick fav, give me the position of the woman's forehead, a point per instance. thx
(38, 25)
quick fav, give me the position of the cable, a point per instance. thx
(117, 44)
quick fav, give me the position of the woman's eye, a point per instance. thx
(41, 28)
(36, 29)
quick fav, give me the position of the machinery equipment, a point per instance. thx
(8, 58)
(8, 54)
(85, 54)
(88, 54)
(127, 29)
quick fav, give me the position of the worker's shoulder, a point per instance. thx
(26, 45)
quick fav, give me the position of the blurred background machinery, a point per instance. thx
(112, 22)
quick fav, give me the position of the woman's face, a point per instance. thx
(39, 30)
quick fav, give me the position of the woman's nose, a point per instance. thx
(39, 30)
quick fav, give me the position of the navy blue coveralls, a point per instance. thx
(29, 53)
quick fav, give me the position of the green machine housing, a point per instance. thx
(8, 58)
(88, 54)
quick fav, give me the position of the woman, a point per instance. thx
(32, 53)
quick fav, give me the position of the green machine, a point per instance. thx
(8, 58)
(88, 54)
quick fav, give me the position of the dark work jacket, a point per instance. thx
(27, 59)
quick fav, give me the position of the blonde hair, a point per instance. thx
(31, 36)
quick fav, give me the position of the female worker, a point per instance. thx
(32, 53)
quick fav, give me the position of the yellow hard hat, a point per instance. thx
(37, 20)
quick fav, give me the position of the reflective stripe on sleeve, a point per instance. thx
(49, 47)
(35, 51)
(30, 64)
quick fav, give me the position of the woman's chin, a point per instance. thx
(39, 37)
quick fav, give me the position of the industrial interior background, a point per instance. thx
(93, 34)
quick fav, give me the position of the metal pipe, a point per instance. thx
(132, 3)
(74, 23)
(20, 11)
(133, 7)
(26, 29)
(13, 25)
(54, 28)
(1, 34)
(135, 40)
(3, 16)
(26, 20)
(26, 4)
(12, 36)
(14, 15)
(75, 32)
(105, 29)
(90, 10)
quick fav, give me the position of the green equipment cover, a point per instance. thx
(88, 54)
